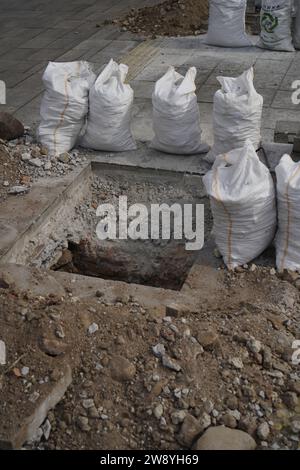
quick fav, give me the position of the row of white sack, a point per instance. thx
(246, 216)
(278, 30)
(96, 113)
(73, 92)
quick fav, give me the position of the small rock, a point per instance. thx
(35, 162)
(26, 156)
(52, 347)
(263, 431)
(64, 157)
(5, 183)
(189, 431)
(93, 412)
(25, 371)
(2, 353)
(43, 150)
(83, 423)
(295, 426)
(121, 369)
(236, 362)
(254, 346)
(158, 350)
(207, 339)
(60, 332)
(222, 438)
(18, 190)
(229, 421)
(290, 399)
(48, 166)
(46, 428)
(178, 416)
(170, 364)
(93, 328)
(88, 403)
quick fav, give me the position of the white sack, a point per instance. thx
(64, 104)
(288, 195)
(276, 25)
(237, 114)
(176, 117)
(296, 34)
(227, 23)
(108, 124)
(242, 197)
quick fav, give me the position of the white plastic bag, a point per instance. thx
(108, 123)
(237, 114)
(227, 23)
(242, 196)
(296, 34)
(176, 117)
(64, 104)
(276, 25)
(288, 234)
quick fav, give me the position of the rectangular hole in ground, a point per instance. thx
(158, 263)
(65, 238)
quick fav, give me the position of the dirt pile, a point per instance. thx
(175, 18)
(145, 378)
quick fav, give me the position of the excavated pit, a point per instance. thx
(67, 240)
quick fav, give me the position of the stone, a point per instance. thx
(229, 421)
(46, 428)
(93, 328)
(232, 402)
(2, 353)
(10, 127)
(35, 162)
(170, 363)
(236, 362)
(189, 431)
(295, 426)
(205, 421)
(88, 403)
(35, 152)
(121, 369)
(25, 371)
(158, 350)
(248, 425)
(5, 183)
(26, 156)
(18, 190)
(83, 423)
(223, 438)
(64, 157)
(254, 346)
(207, 339)
(158, 411)
(52, 347)
(93, 412)
(263, 431)
(48, 166)
(178, 416)
(290, 399)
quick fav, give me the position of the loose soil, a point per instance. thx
(123, 397)
(176, 18)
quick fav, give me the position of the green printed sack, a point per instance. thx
(276, 25)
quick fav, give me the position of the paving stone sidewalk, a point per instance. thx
(33, 33)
